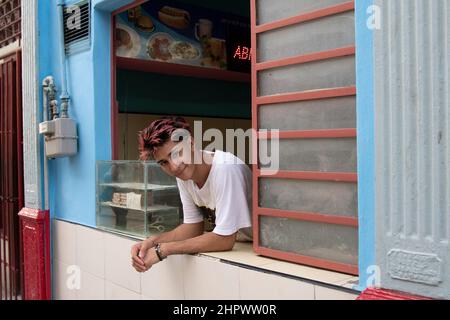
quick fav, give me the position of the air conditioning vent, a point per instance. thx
(77, 27)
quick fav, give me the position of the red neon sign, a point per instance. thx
(243, 53)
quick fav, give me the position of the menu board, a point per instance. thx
(173, 32)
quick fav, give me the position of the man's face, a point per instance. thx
(176, 159)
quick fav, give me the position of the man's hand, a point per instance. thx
(150, 259)
(138, 254)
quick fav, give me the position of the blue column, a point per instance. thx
(366, 142)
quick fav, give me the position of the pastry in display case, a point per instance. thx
(136, 198)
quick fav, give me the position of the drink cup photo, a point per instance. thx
(203, 29)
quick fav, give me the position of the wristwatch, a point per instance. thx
(158, 252)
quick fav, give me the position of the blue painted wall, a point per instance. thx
(72, 180)
(366, 143)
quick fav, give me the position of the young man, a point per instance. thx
(215, 185)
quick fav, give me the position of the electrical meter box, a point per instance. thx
(136, 198)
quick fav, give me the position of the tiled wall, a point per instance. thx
(103, 263)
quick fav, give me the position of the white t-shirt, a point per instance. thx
(227, 190)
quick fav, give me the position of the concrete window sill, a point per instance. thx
(243, 255)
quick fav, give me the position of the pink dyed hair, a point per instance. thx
(158, 133)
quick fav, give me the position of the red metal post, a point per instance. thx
(114, 107)
(35, 231)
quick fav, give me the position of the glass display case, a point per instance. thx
(136, 198)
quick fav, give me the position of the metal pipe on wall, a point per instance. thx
(48, 91)
(65, 98)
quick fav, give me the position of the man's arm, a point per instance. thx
(207, 242)
(182, 232)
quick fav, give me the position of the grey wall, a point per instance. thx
(412, 146)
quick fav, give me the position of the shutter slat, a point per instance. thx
(76, 40)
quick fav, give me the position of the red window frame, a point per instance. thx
(114, 105)
(258, 101)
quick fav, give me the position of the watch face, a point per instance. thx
(239, 50)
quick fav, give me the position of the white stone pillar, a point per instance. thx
(30, 102)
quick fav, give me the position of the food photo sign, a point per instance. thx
(184, 34)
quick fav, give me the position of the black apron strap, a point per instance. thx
(209, 218)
